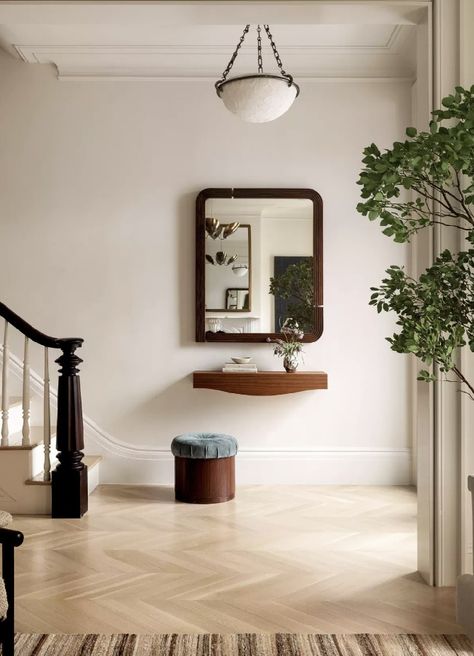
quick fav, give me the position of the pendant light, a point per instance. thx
(240, 270)
(257, 98)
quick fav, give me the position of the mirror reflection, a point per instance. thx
(238, 299)
(259, 264)
(228, 255)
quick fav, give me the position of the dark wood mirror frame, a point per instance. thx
(205, 194)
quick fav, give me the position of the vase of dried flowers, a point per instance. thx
(290, 346)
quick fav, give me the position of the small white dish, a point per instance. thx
(242, 360)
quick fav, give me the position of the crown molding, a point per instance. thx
(340, 77)
(188, 62)
(40, 54)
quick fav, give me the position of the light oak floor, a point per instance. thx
(291, 559)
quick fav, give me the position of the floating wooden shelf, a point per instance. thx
(262, 383)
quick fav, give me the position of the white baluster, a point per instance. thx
(5, 397)
(25, 440)
(46, 420)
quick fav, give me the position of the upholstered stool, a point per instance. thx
(204, 467)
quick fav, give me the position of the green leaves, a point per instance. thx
(427, 179)
(435, 313)
(418, 182)
(448, 102)
(425, 376)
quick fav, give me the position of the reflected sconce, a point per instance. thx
(217, 230)
(261, 97)
(221, 259)
(213, 228)
(229, 229)
(240, 270)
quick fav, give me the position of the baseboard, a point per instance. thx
(341, 467)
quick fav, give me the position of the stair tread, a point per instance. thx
(90, 461)
(20, 447)
(37, 480)
(14, 401)
(36, 437)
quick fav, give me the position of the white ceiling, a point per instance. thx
(275, 208)
(194, 40)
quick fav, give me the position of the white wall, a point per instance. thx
(97, 190)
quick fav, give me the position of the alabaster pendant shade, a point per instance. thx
(258, 98)
(240, 270)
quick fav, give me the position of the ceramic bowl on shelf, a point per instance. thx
(242, 360)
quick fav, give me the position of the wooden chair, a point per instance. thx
(9, 539)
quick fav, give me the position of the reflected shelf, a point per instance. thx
(233, 316)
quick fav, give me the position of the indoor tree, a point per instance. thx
(426, 180)
(296, 286)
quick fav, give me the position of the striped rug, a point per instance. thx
(244, 644)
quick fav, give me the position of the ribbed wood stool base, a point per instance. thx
(200, 480)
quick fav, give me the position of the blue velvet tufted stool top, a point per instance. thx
(204, 467)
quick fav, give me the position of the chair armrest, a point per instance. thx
(465, 603)
(11, 537)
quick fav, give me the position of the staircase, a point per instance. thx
(29, 482)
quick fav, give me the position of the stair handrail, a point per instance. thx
(69, 479)
(36, 335)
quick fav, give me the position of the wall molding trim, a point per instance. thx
(387, 58)
(315, 467)
(334, 76)
(36, 53)
(142, 465)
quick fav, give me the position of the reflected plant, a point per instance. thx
(296, 285)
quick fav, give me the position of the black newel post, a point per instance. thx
(69, 479)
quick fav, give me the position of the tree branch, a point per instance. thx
(471, 396)
(463, 379)
(450, 225)
(461, 192)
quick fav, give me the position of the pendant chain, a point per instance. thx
(233, 58)
(259, 49)
(276, 54)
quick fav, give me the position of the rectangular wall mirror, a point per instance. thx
(258, 262)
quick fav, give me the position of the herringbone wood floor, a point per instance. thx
(276, 559)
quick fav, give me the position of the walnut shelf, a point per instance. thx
(262, 383)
